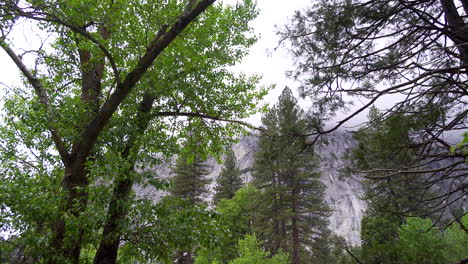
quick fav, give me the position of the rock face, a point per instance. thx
(342, 194)
(343, 190)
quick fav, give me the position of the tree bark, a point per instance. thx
(457, 29)
(109, 244)
(463, 261)
(295, 230)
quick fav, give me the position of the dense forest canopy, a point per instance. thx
(112, 88)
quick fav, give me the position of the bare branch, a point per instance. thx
(205, 116)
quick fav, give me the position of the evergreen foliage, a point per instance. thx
(372, 50)
(190, 180)
(385, 145)
(189, 184)
(229, 181)
(292, 215)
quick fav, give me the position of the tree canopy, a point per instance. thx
(412, 53)
(110, 86)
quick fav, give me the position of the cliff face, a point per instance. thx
(342, 194)
(343, 190)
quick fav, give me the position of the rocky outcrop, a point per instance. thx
(343, 190)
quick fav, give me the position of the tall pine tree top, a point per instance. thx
(229, 181)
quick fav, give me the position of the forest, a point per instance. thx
(111, 89)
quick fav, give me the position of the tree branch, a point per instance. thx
(396, 172)
(463, 261)
(43, 98)
(367, 105)
(52, 18)
(205, 116)
(352, 255)
(110, 106)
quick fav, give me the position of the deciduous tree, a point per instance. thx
(107, 86)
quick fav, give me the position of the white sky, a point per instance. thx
(263, 58)
(272, 64)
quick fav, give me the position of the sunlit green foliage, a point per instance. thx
(250, 252)
(415, 241)
(236, 218)
(420, 242)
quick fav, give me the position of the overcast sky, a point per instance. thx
(273, 64)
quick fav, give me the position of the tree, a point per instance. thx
(189, 182)
(229, 181)
(236, 218)
(251, 253)
(421, 243)
(108, 90)
(379, 236)
(418, 240)
(411, 52)
(292, 212)
(391, 198)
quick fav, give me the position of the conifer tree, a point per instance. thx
(386, 143)
(189, 182)
(292, 212)
(229, 181)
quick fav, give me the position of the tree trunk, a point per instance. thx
(276, 223)
(109, 244)
(458, 33)
(295, 230)
(75, 203)
(75, 180)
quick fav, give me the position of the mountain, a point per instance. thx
(342, 194)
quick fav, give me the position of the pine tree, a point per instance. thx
(229, 181)
(386, 143)
(292, 212)
(189, 182)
